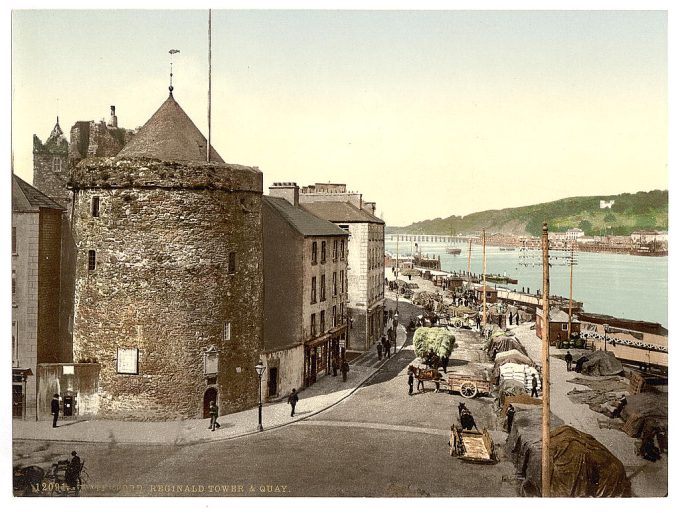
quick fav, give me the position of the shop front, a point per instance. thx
(321, 351)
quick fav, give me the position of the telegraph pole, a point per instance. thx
(484, 277)
(571, 285)
(469, 257)
(545, 449)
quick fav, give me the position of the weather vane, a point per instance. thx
(171, 52)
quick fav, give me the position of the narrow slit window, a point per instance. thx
(232, 262)
(91, 260)
(95, 206)
(226, 333)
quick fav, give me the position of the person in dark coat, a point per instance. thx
(410, 383)
(479, 321)
(445, 363)
(345, 370)
(534, 386)
(55, 409)
(73, 469)
(388, 348)
(510, 416)
(292, 400)
(568, 358)
(379, 347)
(334, 365)
(214, 413)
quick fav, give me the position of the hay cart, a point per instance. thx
(472, 446)
(468, 386)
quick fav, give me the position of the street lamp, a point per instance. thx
(606, 327)
(260, 370)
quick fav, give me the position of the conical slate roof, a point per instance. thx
(170, 135)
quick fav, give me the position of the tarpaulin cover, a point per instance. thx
(601, 363)
(580, 465)
(512, 356)
(645, 407)
(498, 344)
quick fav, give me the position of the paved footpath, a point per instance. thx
(325, 393)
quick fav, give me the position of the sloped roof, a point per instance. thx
(340, 212)
(26, 198)
(305, 223)
(170, 135)
(558, 315)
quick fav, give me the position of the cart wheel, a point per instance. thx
(468, 389)
(457, 323)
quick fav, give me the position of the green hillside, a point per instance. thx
(630, 212)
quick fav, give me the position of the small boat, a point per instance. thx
(497, 278)
(454, 251)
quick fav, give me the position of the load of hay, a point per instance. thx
(440, 340)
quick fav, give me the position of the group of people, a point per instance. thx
(384, 346)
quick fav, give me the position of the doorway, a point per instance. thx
(272, 382)
(209, 396)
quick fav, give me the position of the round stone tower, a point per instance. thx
(169, 292)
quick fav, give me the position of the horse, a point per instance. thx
(466, 418)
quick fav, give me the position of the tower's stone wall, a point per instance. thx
(163, 283)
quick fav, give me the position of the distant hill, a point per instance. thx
(630, 212)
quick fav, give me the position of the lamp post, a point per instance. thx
(260, 370)
(606, 327)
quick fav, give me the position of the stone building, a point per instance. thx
(305, 276)
(53, 162)
(366, 256)
(168, 291)
(36, 244)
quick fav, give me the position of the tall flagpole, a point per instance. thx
(545, 448)
(207, 151)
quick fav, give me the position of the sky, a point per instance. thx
(428, 113)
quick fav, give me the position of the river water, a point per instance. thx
(627, 286)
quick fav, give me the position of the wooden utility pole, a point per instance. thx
(484, 277)
(571, 286)
(469, 280)
(545, 448)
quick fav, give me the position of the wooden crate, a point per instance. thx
(637, 383)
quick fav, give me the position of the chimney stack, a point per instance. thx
(114, 119)
(286, 190)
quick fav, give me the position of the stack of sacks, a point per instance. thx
(519, 372)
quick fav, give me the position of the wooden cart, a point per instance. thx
(468, 386)
(472, 446)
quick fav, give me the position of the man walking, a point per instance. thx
(388, 347)
(214, 413)
(55, 409)
(379, 347)
(410, 383)
(344, 369)
(334, 364)
(534, 386)
(292, 400)
(568, 358)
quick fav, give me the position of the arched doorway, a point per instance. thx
(210, 395)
